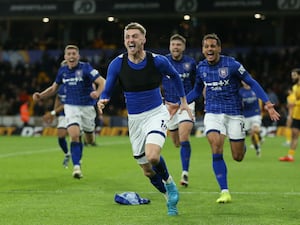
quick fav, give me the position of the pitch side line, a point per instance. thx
(7, 155)
(156, 193)
(236, 193)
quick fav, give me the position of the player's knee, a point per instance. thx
(153, 159)
(238, 157)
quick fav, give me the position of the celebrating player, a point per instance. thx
(180, 126)
(78, 78)
(222, 75)
(140, 73)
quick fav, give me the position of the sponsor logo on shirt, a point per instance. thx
(241, 69)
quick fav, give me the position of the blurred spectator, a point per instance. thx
(24, 113)
(273, 97)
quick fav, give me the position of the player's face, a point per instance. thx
(211, 50)
(295, 77)
(176, 49)
(72, 57)
(134, 41)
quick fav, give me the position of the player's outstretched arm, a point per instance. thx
(274, 115)
(46, 93)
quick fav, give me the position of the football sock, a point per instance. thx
(256, 140)
(76, 152)
(288, 135)
(185, 154)
(220, 170)
(161, 169)
(157, 183)
(63, 144)
(291, 153)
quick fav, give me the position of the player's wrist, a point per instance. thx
(53, 113)
(269, 105)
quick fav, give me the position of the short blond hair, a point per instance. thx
(178, 37)
(72, 47)
(135, 25)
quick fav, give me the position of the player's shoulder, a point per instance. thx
(202, 63)
(118, 59)
(84, 65)
(296, 87)
(188, 58)
(168, 55)
(62, 69)
(229, 60)
(159, 59)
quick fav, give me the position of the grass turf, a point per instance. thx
(36, 190)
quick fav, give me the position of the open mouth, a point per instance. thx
(131, 46)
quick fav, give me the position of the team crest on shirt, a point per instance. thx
(187, 66)
(78, 75)
(223, 72)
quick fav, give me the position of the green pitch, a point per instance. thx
(36, 190)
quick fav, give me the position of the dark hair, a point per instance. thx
(212, 36)
(297, 70)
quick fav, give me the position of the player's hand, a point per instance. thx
(172, 108)
(94, 95)
(36, 96)
(48, 118)
(274, 115)
(101, 105)
(185, 106)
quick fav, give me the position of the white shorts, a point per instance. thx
(231, 126)
(61, 122)
(252, 121)
(84, 116)
(147, 127)
(183, 116)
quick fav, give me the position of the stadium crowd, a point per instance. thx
(266, 58)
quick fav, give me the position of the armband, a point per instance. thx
(53, 113)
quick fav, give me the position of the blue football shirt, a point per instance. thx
(222, 81)
(141, 101)
(250, 102)
(78, 83)
(186, 68)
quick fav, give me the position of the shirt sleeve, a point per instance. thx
(165, 67)
(111, 78)
(255, 86)
(196, 91)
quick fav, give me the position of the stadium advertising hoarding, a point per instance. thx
(102, 8)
